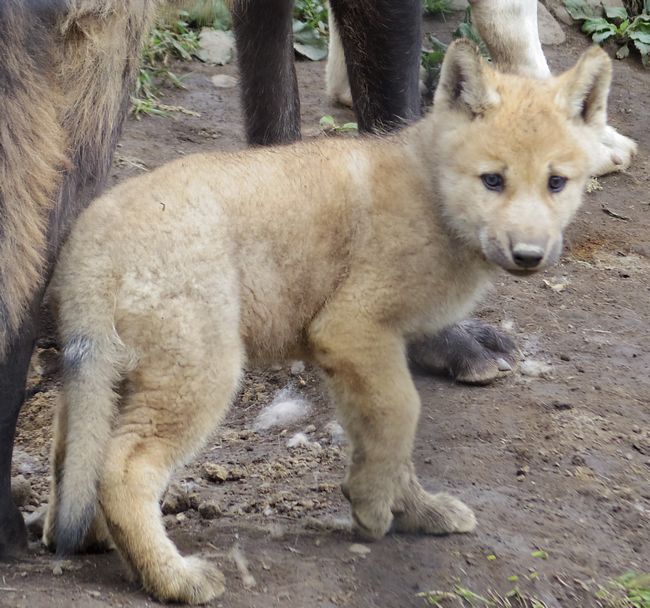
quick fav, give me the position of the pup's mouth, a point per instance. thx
(523, 272)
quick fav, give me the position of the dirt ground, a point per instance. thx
(554, 458)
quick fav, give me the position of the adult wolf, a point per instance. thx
(170, 282)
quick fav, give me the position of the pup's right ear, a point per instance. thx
(464, 81)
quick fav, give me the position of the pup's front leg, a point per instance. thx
(379, 406)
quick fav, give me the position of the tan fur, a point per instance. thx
(335, 251)
(55, 122)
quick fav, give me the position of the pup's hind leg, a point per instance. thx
(180, 391)
(509, 29)
(379, 407)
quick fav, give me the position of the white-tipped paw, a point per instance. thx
(197, 582)
(435, 514)
(614, 153)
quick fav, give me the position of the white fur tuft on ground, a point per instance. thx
(285, 409)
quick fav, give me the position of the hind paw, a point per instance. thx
(471, 352)
(614, 153)
(196, 582)
(435, 514)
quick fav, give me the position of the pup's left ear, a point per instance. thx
(584, 88)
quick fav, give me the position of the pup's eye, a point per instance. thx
(556, 183)
(493, 181)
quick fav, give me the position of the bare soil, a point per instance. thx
(554, 457)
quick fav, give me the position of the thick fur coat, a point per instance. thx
(336, 251)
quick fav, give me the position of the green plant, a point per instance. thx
(330, 127)
(310, 29)
(616, 25)
(171, 38)
(631, 590)
(432, 57)
(437, 7)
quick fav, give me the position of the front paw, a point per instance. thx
(471, 352)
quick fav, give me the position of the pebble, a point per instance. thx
(562, 405)
(224, 81)
(297, 368)
(214, 472)
(176, 501)
(209, 510)
(57, 570)
(359, 549)
(21, 490)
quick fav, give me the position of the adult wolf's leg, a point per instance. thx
(13, 373)
(381, 40)
(379, 406)
(263, 32)
(509, 29)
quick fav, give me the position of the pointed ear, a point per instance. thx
(464, 80)
(584, 88)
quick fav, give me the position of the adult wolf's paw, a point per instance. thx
(434, 514)
(471, 351)
(614, 153)
(13, 535)
(196, 582)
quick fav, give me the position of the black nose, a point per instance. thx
(527, 256)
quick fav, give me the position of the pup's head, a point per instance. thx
(513, 153)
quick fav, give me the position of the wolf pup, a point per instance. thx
(335, 251)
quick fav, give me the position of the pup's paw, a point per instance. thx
(471, 352)
(371, 520)
(196, 582)
(614, 153)
(435, 514)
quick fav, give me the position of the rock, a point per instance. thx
(176, 500)
(216, 46)
(209, 510)
(562, 405)
(336, 433)
(359, 549)
(21, 490)
(550, 31)
(214, 472)
(224, 81)
(57, 570)
(297, 368)
(559, 11)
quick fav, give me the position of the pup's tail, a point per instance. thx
(94, 362)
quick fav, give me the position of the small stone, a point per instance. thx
(562, 405)
(181, 517)
(209, 510)
(359, 549)
(176, 501)
(297, 368)
(93, 593)
(523, 471)
(216, 46)
(21, 490)
(578, 460)
(236, 473)
(564, 357)
(550, 31)
(214, 472)
(57, 570)
(224, 81)
(311, 428)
